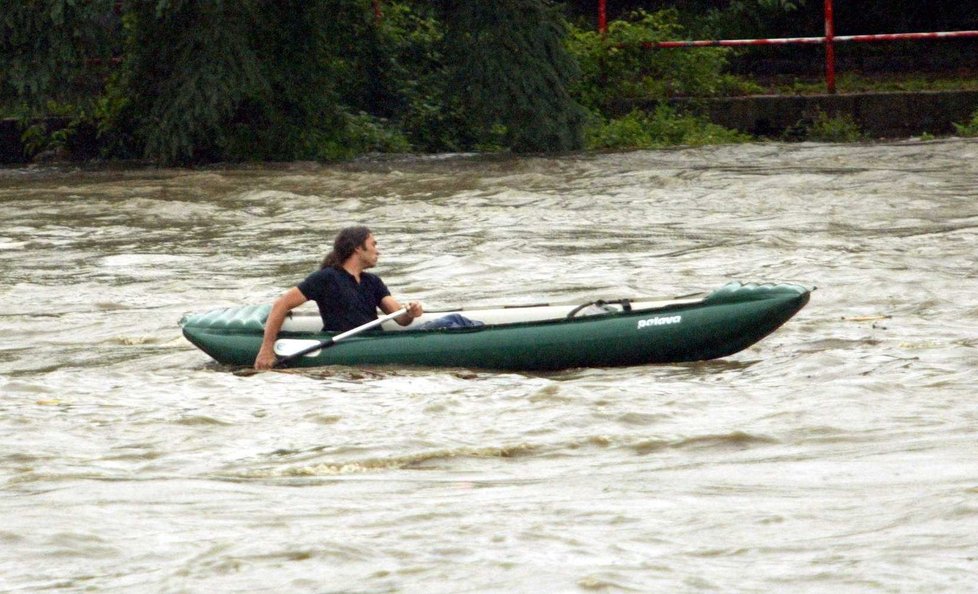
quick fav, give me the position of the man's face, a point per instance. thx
(368, 252)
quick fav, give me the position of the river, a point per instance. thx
(840, 454)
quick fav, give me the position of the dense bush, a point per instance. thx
(617, 70)
(323, 79)
(178, 81)
(823, 127)
(54, 51)
(616, 66)
(246, 80)
(664, 126)
(968, 129)
(508, 67)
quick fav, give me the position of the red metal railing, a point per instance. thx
(829, 39)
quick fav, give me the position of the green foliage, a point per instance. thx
(753, 18)
(968, 129)
(509, 70)
(412, 36)
(323, 79)
(182, 81)
(785, 5)
(282, 81)
(54, 55)
(823, 127)
(187, 68)
(660, 128)
(40, 137)
(113, 119)
(360, 134)
(248, 80)
(53, 50)
(617, 67)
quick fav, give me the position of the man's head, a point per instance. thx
(356, 241)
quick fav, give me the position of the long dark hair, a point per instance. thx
(347, 241)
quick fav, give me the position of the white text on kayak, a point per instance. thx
(659, 321)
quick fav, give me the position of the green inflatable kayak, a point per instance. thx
(523, 338)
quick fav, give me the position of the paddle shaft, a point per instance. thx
(328, 343)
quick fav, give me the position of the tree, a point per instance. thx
(512, 71)
(186, 69)
(242, 80)
(55, 50)
(181, 81)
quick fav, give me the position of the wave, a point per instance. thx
(435, 458)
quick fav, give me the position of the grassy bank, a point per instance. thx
(965, 80)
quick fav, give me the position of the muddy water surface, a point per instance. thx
(839, 454)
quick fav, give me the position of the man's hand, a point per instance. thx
(266, 359)
(415, 310)
(283, 305)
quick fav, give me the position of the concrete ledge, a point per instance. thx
(879, 115)
(11, 148)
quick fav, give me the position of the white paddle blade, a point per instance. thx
(285, 347)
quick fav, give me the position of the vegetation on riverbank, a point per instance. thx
(969, 128)
(856, 82)
(182, 82)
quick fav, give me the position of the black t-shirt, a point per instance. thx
(343, 303)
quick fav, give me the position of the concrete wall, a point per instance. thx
(11, 149)
(879, 115)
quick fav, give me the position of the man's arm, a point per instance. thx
(389, 305)
(289, 300)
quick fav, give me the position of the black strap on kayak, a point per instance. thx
(574, 311)
(625, 304)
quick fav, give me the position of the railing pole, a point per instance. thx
(602, 16)
(829, 48)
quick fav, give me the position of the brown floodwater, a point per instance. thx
(840, 454)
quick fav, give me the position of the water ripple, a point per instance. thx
(825, 457)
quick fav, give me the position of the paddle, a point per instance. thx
(289, 350)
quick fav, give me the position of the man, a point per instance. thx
(347, 296)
